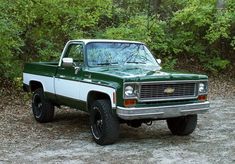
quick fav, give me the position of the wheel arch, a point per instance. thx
(33, 85)
(96, 95)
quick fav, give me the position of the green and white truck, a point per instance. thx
(116, 82)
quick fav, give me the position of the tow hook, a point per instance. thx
(149, 123)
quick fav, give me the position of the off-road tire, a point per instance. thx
(182, 126)
(104, 122)
(43, 110)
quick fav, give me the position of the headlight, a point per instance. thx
(129, 90)
(202, 87)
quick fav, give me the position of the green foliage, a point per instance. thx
(182, 29)
(200, 30)
(37, 30)
(136, 29)
(220, 27)
(17, 81)
(10, 42)
(217, 64)
(169, 63)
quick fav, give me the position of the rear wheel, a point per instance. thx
(43, 110)
(181, 126)
(104, 123)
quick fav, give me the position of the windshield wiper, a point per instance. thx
(107, 63)
(136, 62)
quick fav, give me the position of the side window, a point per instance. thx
(75, 51)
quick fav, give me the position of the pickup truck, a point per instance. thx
(116, 82)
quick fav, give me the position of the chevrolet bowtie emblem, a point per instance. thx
(169, 90)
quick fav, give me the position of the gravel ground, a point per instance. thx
(68, 140)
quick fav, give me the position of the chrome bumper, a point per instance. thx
(162, 112)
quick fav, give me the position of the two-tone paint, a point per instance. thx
(67, 86)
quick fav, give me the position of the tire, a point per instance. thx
(182, 126)
(104, 123)
(43, 110)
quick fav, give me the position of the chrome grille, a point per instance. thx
(159, 91)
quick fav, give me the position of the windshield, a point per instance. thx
(127, 54)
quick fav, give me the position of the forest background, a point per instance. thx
(189, 35)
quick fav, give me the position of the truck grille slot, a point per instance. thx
(167, 91)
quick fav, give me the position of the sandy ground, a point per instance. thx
(68, 140)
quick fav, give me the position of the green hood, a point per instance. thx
(137, 74)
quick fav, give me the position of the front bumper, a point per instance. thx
(162, 112)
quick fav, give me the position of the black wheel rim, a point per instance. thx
(97, 124)
(37, 105)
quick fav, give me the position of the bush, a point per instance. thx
(38, 30)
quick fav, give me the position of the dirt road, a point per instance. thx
(68, 140)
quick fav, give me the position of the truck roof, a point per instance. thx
(104, 40)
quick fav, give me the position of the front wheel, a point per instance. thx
(104, 123)
(181, 126)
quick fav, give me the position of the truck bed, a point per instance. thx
(41, 68)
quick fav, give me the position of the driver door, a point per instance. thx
(67, 78)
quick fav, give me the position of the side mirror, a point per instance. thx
(67, 62)
(159, 61)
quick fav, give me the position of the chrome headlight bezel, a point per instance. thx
(202, 87)
(130, 91)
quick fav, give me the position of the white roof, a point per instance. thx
(103, 40)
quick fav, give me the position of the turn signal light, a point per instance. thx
(202, 98)
(129, 102)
